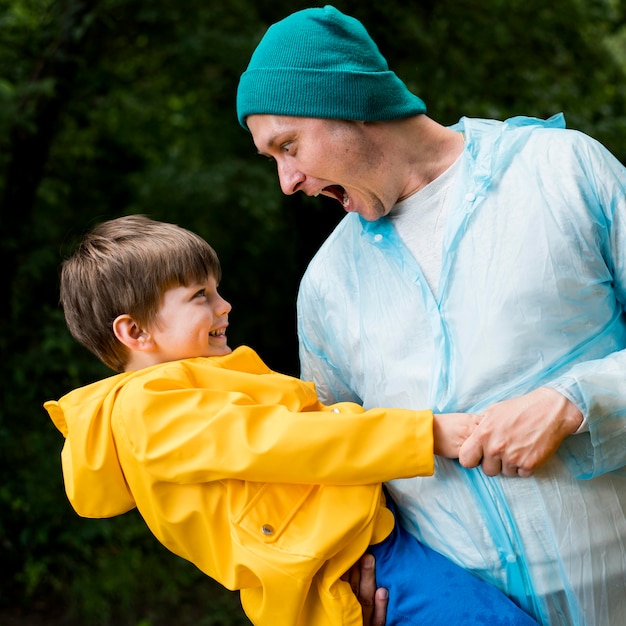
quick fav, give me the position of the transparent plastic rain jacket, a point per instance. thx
(532, 293)
(201, 448)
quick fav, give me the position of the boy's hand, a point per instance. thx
(450, 430)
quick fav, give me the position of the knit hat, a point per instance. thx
(321, 63)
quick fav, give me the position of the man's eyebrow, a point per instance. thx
(272, 142)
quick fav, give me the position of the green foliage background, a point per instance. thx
(110, 107)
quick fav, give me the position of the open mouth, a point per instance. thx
(220, 332)
(338, 192)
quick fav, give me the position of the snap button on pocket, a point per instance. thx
(266, 529)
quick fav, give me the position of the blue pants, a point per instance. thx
(425, 588)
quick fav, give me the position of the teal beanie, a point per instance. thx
(322, 63)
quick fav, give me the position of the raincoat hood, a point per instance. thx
(90, 462)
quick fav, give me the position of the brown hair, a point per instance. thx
(124, 266)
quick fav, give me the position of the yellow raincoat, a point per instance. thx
(243, 472)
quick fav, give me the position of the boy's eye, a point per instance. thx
(200, 294)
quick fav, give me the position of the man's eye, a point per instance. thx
(286, 147)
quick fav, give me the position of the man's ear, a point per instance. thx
(131, 334)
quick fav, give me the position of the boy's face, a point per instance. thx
(191, 322)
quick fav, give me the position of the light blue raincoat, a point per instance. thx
(532, 292)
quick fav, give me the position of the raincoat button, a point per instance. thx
(336, 411)
(378, 237)
(266, 529)
(470, 197)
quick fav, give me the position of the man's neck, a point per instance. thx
(429, 150)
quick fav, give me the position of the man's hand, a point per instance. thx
(519, 435)
(362, 579)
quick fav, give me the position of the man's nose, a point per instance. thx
(290, 179)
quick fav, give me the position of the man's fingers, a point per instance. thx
(367, 588)
(362, 579)
(509, 470)
(380, 608)
(471, 452)
(492, 465)
(353, 578)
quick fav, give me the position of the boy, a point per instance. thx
(234, 467)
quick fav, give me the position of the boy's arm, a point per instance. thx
(197, 435)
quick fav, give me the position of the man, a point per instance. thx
(481, 268)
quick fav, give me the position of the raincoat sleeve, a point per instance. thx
(598, 387)
(186, 433)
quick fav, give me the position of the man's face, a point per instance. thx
(335, 158)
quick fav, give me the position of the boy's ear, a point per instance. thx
(131, 334)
